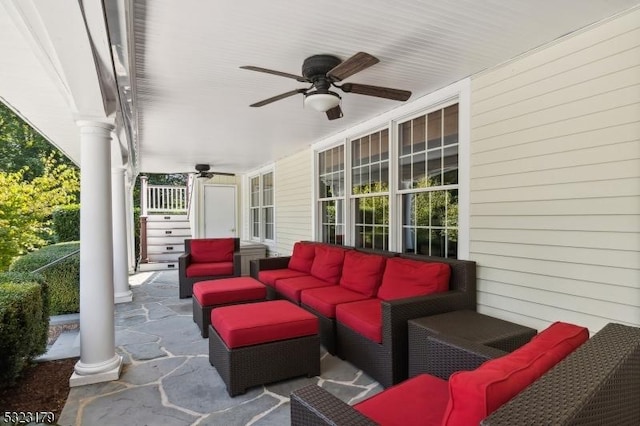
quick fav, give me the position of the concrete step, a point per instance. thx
(165, 218)
(157, 266)
(67, 345)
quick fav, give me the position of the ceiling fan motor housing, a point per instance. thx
(316, 67)
(202, 167)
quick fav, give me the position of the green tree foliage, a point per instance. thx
(26, 206)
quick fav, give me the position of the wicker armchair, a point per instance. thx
(225, 264)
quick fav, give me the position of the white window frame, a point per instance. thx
(260, 208)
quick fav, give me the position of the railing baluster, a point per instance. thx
(163, 198)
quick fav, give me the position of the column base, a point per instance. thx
(123, 297)
(103, 376)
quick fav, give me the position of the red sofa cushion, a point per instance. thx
(363, 317)
(409, 278)
(292, 287)
(270, 276)
(228, 290)
(327, 264)
(420, 400)
(325, 299)
(302, 257)
(209, 269)
(212, 250)
(473, 395)
(362, 272)
(261, 322)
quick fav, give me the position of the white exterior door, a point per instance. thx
(219, 211)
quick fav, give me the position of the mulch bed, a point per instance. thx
(43, 386)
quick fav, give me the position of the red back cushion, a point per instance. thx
(362, 272)
(327, 264)
(473, 395)
(212, 250)
(409, 278)
(302, 257)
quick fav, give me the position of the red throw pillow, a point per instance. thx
(473, 395)
(327, 264)
(302, 257)
(409, 278)
(362, 272)
(212, 250)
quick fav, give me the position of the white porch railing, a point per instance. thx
(163, 199)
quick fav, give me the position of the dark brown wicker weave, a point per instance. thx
(469, 325)
(248, 366)
(598, 384)
(327, 330)
(202, 314)
(185, 286)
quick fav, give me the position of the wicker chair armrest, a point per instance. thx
(237, 264)
(184, 260)
(444, 355)
(312, 405)
(267, 263)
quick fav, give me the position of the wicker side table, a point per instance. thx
(469, 326)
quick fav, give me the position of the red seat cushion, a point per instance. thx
(292, 287)
(212, 250)
(261, 322)
(409, 278)
(327, 264)
(364, 317)
(325, 299)
(420, 400)
(270, 276)
(228, 290)
(476, 394)
(362, 272)
(209, 269)
(302, 257)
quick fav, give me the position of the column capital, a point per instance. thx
(101, 124)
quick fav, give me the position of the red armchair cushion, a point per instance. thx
(212, 250)
(409, 278)
(302, 257)
(476, 394)
(421, 400)
(209, 269)
(292, 287)
(327, 264)
(270, 276)
(254, 323)
(362, 272)
(325, 299)
(228, 290)
(363, 317)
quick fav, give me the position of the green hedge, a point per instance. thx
(24, 322)
(63, 278)
(66, 223)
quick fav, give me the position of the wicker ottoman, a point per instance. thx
(257, 343)
(227, 291)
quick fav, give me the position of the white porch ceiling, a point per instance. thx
(191, 101)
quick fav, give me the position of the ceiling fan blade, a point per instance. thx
(378, 91)
(278, 97)
(334, 113)
(358, 62)
(280, 73)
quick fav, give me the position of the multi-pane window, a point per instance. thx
(370, 189)
(331, 193)
(261, 207)
(428, 182)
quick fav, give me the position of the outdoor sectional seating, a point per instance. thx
(547, 381)
(364, 299)
(207, 259)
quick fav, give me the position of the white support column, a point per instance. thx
(131, 239)
(122, 293)
(98, 359)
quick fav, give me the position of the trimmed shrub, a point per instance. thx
(24, 322)
(62, 278)
(66, 223)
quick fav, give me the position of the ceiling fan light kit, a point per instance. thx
(323, 72)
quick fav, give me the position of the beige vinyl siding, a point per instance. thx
(555, 181)
(293, 195)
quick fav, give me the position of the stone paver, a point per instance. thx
(167, 378)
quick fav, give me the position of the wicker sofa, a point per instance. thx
(207, 259)
(386, 358)
(598, 383)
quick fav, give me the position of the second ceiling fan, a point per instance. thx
(324, 72)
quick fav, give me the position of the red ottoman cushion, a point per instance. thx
(262, 322)
(209, 269)
(270, 276)
(228, 290)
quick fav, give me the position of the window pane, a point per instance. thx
(384, 144)
(438, 207)
(434, 167)
(267, 189)
(332, 224)
(404, 135)
(434, 132)
(419, 129)
(450, 165)
(375, 147)
(419, 171)
(422, 209)
(451, 125)
(405, 173)
(355, 152)
(372, 219)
